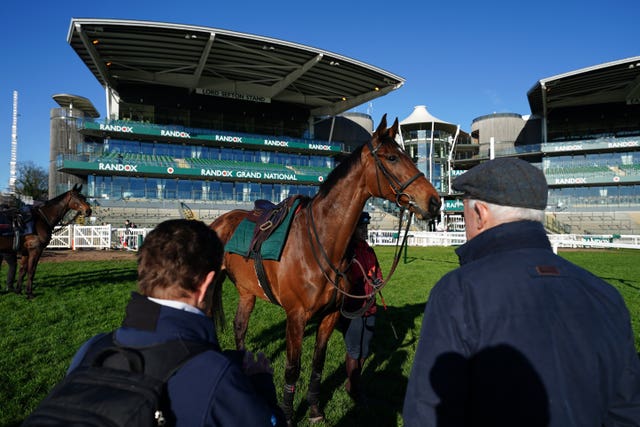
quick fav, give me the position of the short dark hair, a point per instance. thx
(176, 257)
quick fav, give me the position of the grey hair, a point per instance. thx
(511, 213)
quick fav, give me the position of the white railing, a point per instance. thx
(417, 238)
(107, 237)
(61, 237)
(91, 237)
(626, 241)
(442, 238)
(129, 238)
(97, 237)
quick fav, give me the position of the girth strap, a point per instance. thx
(263, 282)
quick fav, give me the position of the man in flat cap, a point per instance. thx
(518, 336)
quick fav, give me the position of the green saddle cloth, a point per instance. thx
(271, 248)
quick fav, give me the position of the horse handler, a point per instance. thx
(359, 315)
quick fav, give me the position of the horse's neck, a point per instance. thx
(54, 212)
(336, 214)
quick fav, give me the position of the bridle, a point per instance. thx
(397, 187)
(64, 209)
(398, 190)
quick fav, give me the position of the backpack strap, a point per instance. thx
(163, 360)
(159, 361)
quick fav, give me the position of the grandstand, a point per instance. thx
(219, 119)
(584, 133)
(203, 115)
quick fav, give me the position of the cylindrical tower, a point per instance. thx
(65, 139)
(428, 140)
(497, 131)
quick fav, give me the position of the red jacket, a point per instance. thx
(364, 259)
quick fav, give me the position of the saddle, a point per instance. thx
(269, 223)
(267, 216)
(15, 222)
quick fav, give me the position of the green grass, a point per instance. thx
(76, 300)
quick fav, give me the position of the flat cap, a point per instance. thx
(505, 181)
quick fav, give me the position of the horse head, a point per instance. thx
(78, 202)
(392, 175)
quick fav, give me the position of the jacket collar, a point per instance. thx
(151, 323)
(504, 237)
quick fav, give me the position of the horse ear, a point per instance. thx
(393, 130)
(382, 127)
(75, 187)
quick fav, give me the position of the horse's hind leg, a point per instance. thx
(325, 328)
(295, 332)
(12, 262)
(246, 303)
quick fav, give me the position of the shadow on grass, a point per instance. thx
(383, 378)
(622, 282)
(48, 278)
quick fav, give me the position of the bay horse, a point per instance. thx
(306, 279)
(45, 218)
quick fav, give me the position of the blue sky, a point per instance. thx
(462, 59)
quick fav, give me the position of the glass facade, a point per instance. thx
(612, 196)
(125, 187)
(430, 155)
(179, 151)
(593, 168)
(156, 188)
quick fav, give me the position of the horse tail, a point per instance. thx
(216, 310)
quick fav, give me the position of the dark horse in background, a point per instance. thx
(306, 281)
(45, 218)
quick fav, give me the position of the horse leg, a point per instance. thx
(295, 333)
(12, 262)
(23, 270)
(246, 303)
(325, 328)
(33, 264)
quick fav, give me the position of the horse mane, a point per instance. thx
(57, 198)
(345, 166)
(340, 171)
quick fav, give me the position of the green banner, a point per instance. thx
(595, 179)
(453, 205)
(206, 173)
(141, 129)
(603, 144)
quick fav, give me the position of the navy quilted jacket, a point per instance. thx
(210, 389)
(519, 336)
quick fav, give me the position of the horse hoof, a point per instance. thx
(30, 296)
(291, 423)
